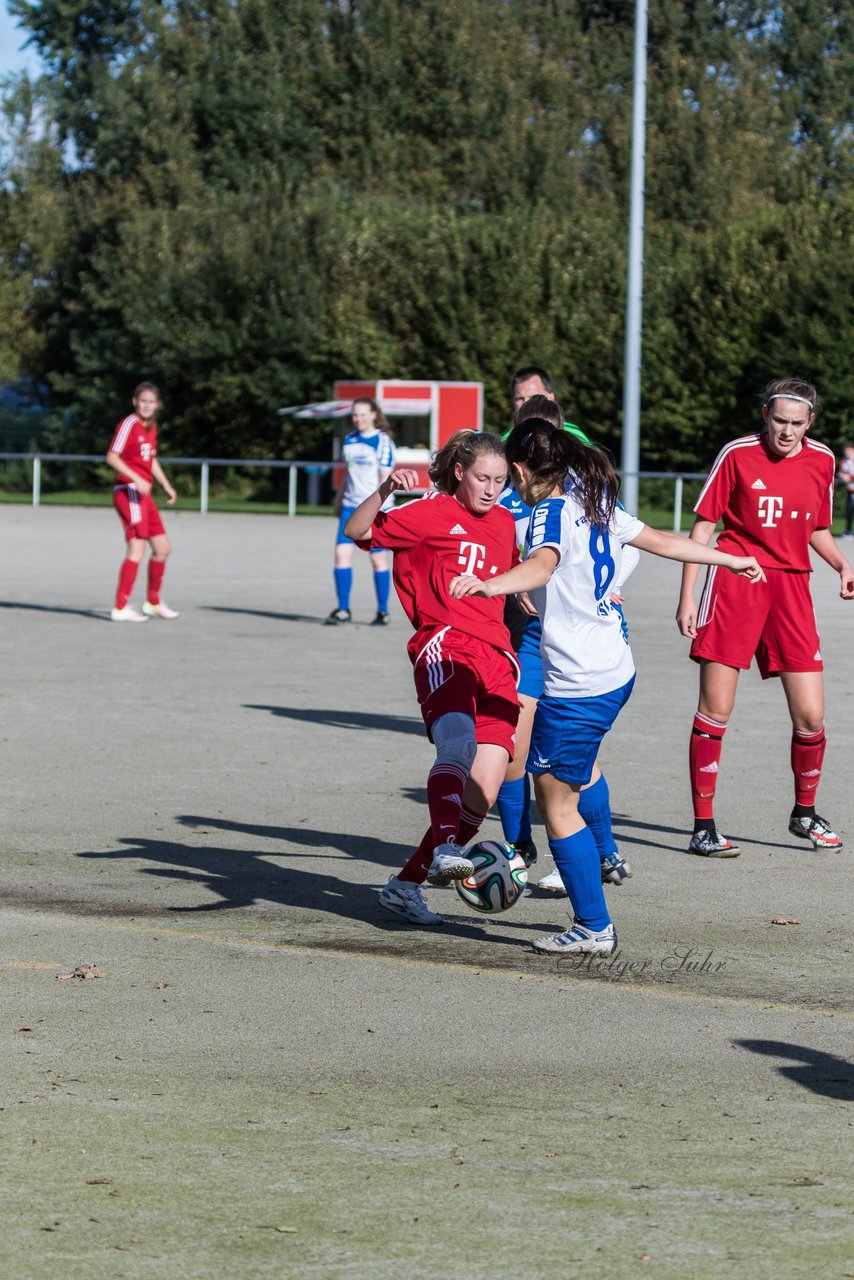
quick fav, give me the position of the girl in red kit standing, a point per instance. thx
(773, 491)
(133, 456)
(464, 668)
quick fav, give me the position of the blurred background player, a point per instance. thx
(845, 477)
(463, 664)
(368, 459)
(133, 456)
(572, 556)
(773, 491)
(533, 395)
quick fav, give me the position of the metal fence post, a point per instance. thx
(37, 481)
(292, 490)
(204, 487)
(677, 506)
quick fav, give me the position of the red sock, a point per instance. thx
(418, 865)
(807, 758)
(156, 570)
(704, 752)
(127, 577)
(470, 824)
(445, 786)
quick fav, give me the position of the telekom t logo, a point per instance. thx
(770, 508)
(471, 556)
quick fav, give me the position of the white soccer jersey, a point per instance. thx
(365, 457)
(584, 651)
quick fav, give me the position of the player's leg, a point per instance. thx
(128, 504)
(161, 547)
(381, 565)
(791, 649)
(718, 687)
(574, 850)
(805, 697)
(514, 794)
(342, 572)
(594, 806)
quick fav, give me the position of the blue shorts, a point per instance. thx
(531, 660)
(568, 733)
(346, 513)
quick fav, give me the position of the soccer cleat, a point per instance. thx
(336, 616)
(579, 940)
(160, 610)
(128, 614)
(615, 869)
(380, 620)
(708, 844)
(527, 849)
(552, 883)
(448, 864)
(816, 830)
(407, 900)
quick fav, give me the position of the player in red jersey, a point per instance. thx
(133, 456)
(773, 491)
(464, 668)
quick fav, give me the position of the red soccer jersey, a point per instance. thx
(136, 445)
(435, 539)
(770, 506)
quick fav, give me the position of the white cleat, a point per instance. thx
(407, 901)
(579, 941)
(128, 614)
(449, 864)
(552, 883)
(160, 610)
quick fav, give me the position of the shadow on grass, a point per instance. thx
(242, 878)
(336, 718)
(100, 615)
(821, 1073)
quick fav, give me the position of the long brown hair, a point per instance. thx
(463, 447)
(551, 454)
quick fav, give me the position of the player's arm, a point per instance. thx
(686, 613)
(114, 460)
(691, 551)
(160, 476)
(360, 525)
(823, 545)
(527, 576)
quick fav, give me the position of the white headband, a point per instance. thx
(781, 395)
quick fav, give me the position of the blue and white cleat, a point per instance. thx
(579, 941)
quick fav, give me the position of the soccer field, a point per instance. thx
(274, 1078)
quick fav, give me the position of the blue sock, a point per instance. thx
(594, 808)
(514, 805)
(343, 587)
(382, 585)
(577, 861)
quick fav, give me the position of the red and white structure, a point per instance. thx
(436, 411)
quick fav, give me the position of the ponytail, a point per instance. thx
(552, 455)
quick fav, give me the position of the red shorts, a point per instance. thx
(457, 672)
(773, 621)
(138, 514)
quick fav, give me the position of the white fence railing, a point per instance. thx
(314, 470)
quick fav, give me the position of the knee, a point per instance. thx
(454, 740)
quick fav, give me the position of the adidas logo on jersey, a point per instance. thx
(757, 484)
(458, 528)
(817, 656)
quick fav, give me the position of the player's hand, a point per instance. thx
(846, 578)
(401, 478)
(143, 486)
(171, 496)
(525, 604)
(617, 598)
(747, 567)
(686, 619)
(466, 584)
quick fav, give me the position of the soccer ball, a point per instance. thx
(498, 880)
